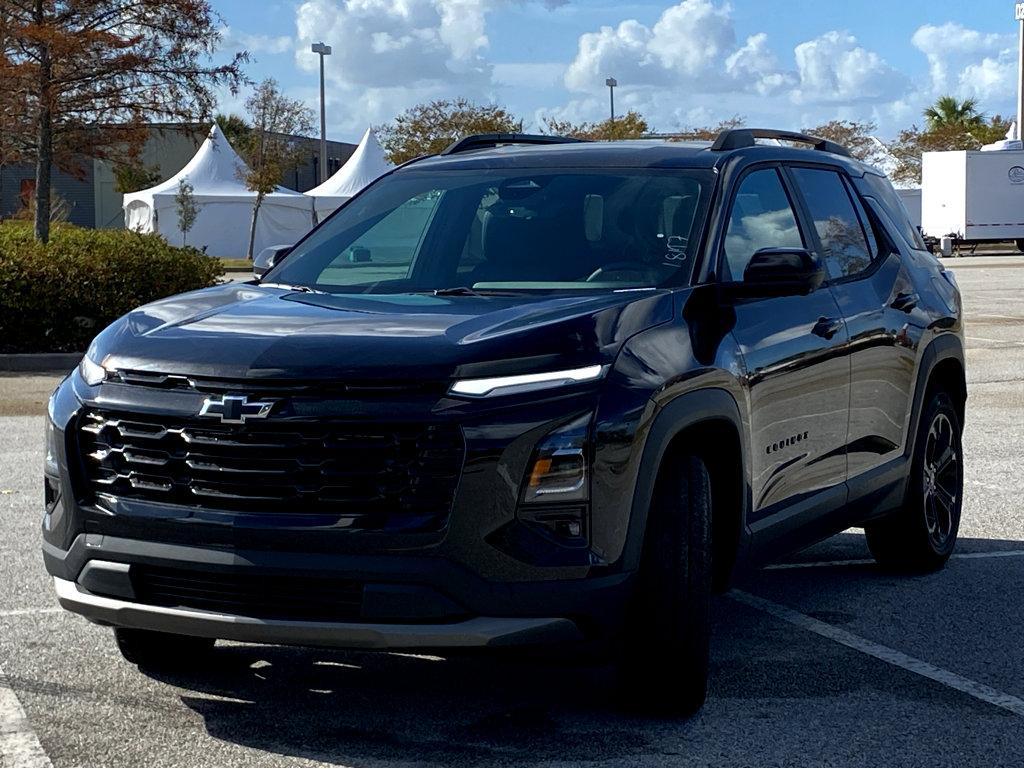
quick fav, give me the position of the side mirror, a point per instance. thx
(781, 272)
(267, 258)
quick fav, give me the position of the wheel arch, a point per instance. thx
(942, 365)
(708, 424)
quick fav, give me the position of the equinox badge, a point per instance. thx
(235, 409)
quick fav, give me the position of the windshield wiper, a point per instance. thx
(467, 291)
(287, 287)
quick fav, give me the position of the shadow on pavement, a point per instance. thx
(483, 709)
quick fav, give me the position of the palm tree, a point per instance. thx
(948, 112)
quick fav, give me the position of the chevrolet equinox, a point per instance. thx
(528, 391)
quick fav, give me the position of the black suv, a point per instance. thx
(529, 390)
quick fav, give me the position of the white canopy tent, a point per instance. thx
(225, 205)
(366, 165)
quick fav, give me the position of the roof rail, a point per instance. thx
(737, 138)
(486, 141)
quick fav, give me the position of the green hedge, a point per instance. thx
(57, 297)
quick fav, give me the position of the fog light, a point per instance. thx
(51, 465)
(558, 470)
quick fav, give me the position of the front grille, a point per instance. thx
(260, 596)
(363, 389)
(368, 476)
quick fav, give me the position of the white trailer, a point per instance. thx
(973, 196)
(911, 198)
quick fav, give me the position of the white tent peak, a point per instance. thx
(215, 169)
(365, 165)
(217, 173)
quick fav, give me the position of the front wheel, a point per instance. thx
(664, 665)
(921, 536)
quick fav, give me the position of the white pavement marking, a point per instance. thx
(22, 612)
(945, 677)
(1012, 342)
(19, 745)
(869, 561)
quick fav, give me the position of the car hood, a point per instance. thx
(252, 331)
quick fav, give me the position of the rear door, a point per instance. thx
(797, 375)
(879, 305)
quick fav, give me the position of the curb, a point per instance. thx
(39, 362)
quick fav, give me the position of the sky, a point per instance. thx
(681, 64)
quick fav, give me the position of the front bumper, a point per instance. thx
(403, 600)
(474, 632)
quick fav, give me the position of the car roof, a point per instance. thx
(640, 153)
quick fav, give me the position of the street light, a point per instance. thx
(323, 50)
(611, 83)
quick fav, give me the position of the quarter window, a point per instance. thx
(844, 246)
(761, 217)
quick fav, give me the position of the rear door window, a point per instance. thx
(844, 246)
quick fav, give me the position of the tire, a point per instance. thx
(161, 651)
(664, 655)
(1019, 243)
(921, 536)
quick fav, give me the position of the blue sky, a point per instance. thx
(684, 63)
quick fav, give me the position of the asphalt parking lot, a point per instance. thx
(822, 660)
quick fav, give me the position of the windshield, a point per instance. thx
(507, 230)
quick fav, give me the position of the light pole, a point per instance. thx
(611, 83)
(1018, 14)
(323, 50)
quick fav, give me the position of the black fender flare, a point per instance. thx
(943, 347)
(679, 414)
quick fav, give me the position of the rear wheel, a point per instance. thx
(161, 651)
(664, 664)
(922, 535)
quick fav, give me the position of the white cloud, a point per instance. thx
(692, 37)
(953, 50)
(391, 54)
(991, 79)
(688, 44)
(832, 68)
(691, 52)
(756, 64)
(237, 39)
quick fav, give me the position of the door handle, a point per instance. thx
(904, 301)
(827, 328)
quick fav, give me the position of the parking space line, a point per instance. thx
(911, 664)
(22, 612)
(19, 745)
(869, 561)
(1011, 342)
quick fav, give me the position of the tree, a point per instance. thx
(426, 129)
(80, 78)
(188, 211)
(709, 133)
(948, 111)
(132, 177)
(856, 136)
(234, 128)
(273, 145)
(632, 125)
(912, 142)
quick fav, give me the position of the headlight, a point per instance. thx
(92, 372)
(521, 383)
(558, 468)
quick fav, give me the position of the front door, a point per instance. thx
(797, 372)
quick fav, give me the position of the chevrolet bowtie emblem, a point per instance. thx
(235, 409)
